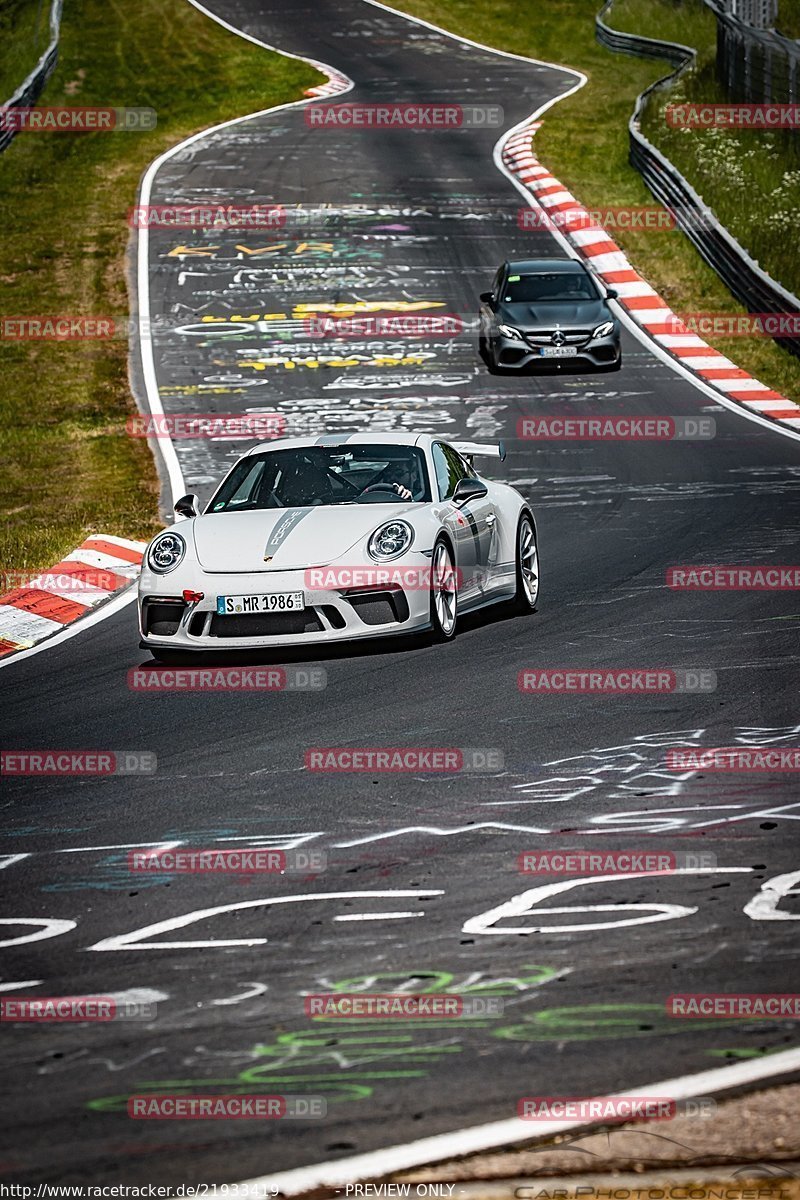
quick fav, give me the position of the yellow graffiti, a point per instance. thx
(300, 248)
(209, 320)
(195, 389)
(193, 251)
(342, 308)
(409, 360)
(345, 308)
(182, 251)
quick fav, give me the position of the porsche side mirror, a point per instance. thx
(187, 506)
(469, 489)
(612, 294)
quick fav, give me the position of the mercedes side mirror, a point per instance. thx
(469, 489)
(187, 506)
(486, 297)
(612, 294)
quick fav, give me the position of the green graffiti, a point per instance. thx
(587, 1022)
(428, 982)
(358, 1046)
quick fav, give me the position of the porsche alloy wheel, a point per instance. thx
(527, 565)
(444, 594)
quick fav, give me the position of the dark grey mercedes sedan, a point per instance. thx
(548, 314)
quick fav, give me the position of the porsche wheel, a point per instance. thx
(527, 566)
(444, 594)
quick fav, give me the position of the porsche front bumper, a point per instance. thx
(167, 621)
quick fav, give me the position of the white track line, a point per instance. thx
(444, 1146)
(176, 480)
(153, 396)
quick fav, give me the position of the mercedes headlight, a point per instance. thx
(604, 330)
(510, 331)
(166, 552)
(390, 540)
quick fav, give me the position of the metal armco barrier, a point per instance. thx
(756, 290)
(756, 64)
(31, 89)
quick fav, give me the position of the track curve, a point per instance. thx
(579, 770)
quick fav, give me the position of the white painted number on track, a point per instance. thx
(135, 939)
(524, 903)
(49, 928)
(764, 905)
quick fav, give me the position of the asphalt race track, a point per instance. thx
(408, 217)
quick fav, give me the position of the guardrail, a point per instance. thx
(743, 277)
(32, 87)
(755, 64)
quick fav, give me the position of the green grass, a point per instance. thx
(751, 180)
(69, 468)
(24, 37)
(684, 21)
(789, 18)
(584, 140)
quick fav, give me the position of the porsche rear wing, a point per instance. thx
(470, 449)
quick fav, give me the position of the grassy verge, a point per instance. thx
(69, 468)
(24, 37)
(584, 142)
(750, 179)
(788, 18)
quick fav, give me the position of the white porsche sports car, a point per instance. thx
(334, 538)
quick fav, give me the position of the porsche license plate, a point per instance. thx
(228, 606)
(558, 352)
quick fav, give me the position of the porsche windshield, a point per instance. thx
(308, 476)
(555, 285)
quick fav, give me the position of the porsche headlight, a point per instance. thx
(604, 330)
(510, 332)
(166, 552)
(390, 540)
